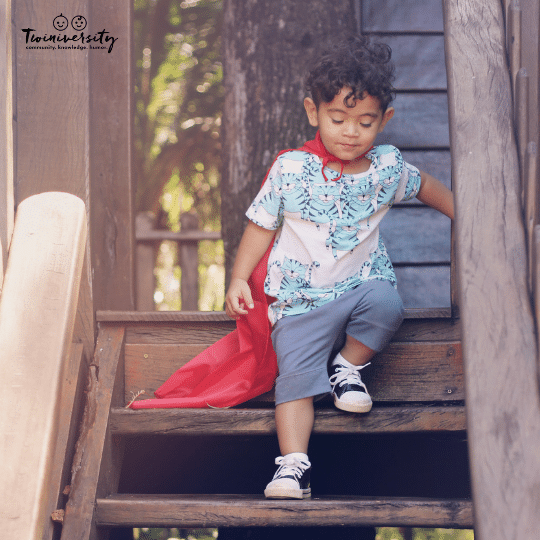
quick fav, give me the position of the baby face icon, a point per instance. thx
(78, 22)
(60, 23)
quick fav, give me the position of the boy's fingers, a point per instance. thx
(248, 298)
(235, 307)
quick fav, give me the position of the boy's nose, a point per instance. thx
(351, 129)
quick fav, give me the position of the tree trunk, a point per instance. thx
(268, 47)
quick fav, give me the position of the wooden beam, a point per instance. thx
(210, 316)
(251, 511)
(499, 346)
(90, 460)
(37, 317)
(399, 419)
(7, 203)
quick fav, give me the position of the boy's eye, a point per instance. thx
(337, 121)
(366, 125)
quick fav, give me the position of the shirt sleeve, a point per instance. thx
(266, 210)
(409, 183)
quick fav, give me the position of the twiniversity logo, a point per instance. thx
(79, 40)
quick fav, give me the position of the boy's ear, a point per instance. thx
(311, 111)
(388, 114)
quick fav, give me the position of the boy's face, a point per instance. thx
(348, 132)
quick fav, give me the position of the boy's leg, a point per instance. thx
(294, 422)
(356, 352)
(374, 320)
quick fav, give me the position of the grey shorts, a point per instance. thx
(304, 344)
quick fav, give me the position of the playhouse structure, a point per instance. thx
(457, 390)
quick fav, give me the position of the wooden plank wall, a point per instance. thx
(418, 238)
(6, 134)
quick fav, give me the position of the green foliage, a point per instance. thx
(383, 533)
(174, 534)
(178, 100)
(390, 533)
(178, 105)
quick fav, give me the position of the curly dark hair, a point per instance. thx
(357, 63)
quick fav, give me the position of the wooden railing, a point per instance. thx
(494, 179)
(39, 364)
(148, 239)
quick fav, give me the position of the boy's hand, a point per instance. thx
(238, 296)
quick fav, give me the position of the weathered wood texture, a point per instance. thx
(421, 16)
(156, 343)
(528, 128)
(90, 459)
(201, 328)
(52, 136)
(37, 317)
(241, 421)
(245, 511)
(74, 110)
(428, 371)
(498, 328)
(110, 81)
(67, 432)
(6, 133)
(529, 57)
(266, 49)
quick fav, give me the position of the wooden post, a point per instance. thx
(6, 134)
(145, 263)
(188, 256)
(110, 164)
(37, 317)
(499, 345)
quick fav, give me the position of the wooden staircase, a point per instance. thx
(416, 384)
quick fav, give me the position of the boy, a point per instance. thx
(336, 302)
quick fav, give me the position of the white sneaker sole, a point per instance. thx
(352, 407)
(287, 493)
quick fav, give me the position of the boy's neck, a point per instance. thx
(358, 165)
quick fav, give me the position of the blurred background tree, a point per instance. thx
(178, 107)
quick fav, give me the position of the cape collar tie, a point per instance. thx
(317, 147)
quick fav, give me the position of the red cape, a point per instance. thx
(240, 366)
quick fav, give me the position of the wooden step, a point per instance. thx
(382, 419)
(191, 511)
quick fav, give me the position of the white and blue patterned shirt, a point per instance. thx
(328, 240)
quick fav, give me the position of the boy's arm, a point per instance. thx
(253, 246)
(436, 194)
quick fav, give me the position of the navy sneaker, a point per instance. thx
(350, 393)
(291, 480)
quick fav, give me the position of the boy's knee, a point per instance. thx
(386, 304)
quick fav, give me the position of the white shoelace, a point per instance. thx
(291, 466)
(348, 375)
